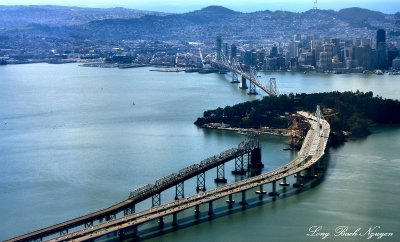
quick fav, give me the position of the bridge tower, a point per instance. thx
(252, 90)
(273, 86)
(235, 78)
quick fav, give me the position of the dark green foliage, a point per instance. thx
(352, 112)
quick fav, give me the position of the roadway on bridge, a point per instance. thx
(311, 151)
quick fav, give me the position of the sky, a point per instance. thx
(179, 6)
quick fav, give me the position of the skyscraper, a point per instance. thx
(381, 49)
(219, 47)
(233, 52)
(380, 36)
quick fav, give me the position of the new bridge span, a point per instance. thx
(311, 151)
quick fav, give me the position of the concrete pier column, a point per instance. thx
(312, 171)
(243, 202)
(121, 235)
(135, 234)
(161, 221)
(274, 192)
(298, 180)
(210, 208)
(243, 84)
(230, 201)
(197, 209)
(261, 192)
(284, 183)
(175, 219)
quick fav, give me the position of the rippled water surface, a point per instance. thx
(74, 140)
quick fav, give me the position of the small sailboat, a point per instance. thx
(133, 104)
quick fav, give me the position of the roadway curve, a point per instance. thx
(311, 151)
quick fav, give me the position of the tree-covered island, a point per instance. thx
(349, 113)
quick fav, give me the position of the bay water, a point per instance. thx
(75, 140)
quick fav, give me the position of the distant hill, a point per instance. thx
(116, 24)
(18, 16)
(359, 17)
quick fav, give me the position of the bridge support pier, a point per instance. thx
(243, 202)
(161, 221)
(221, 174)
(156, 200)
(261, 192)
(255, 158)
(252, 90)
(312, 171)
(111, 217)
(243, 84)
(239, 166)
(88, 224)
(63, 232)
(174, 219)
(121, 234)
(284, 183)
(179, 191)
(210, 208)
(201, 182)
(230, 201)
(298, 180)
(274, 192)
(129, 210)
(135, 234)
(235, 78)
(197, 210)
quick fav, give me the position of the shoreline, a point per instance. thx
(168, 68)
(245, 131)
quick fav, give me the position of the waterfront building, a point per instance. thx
(396, 64)
(329, 50)
(323, 60)
(392, 54)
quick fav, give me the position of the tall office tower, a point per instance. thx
(233, 52)
(381, 49)
(274, 51)
(293, 48)
(329, 49)
(336, 45)
(219, 47)
(380, 36)
(324, 60)
(226, 48)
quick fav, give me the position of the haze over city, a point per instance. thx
(179, 6)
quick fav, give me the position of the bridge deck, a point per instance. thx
(310, 153)
(194, 170)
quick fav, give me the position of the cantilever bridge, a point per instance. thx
(234, 66)
(236, 70)
(106, 221)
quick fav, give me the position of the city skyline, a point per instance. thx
(179, 6)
